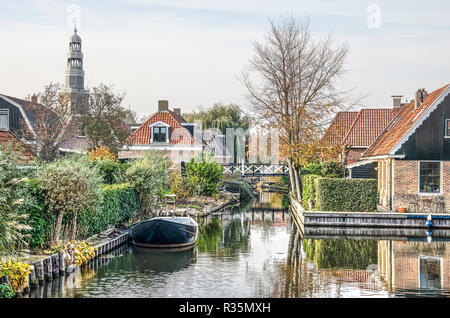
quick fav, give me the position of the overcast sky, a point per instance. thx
(191, 52)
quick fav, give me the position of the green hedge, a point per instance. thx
(347, 195)
(308, 189)
(119, 204)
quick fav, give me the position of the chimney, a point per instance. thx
(420, 96)
(397, 101)
(163, 105)
(177, 111)
(34, 99)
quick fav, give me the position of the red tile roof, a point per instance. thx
(368, 125)
(338, 128)
(8, 140)
(401, 125)
(142, 135)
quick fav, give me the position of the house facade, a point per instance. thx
(413, 155)
(167, 131)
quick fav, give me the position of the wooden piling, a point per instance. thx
(48, 269)
(39, 268)
(55, 265)
(62, 263)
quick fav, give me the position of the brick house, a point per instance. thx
(355, 132)
(413, 154)
(168, 131)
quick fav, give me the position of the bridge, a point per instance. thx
(256, 169)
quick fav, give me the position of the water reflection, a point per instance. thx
(254, 250)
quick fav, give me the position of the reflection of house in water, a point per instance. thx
(410, 266)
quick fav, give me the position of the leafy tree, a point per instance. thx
(220, 116)
(69, 186)
(203, 175)
(102, 118)
(149, 176)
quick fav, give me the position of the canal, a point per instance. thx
(255, 250)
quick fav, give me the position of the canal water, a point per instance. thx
(255, 250)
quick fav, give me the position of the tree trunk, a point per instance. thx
(74, 226)
(57, 233)
(291, 177)
(297, 183)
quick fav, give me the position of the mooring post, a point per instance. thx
(62, 262)
(39, 269)
(55, 265)
(48, 271)
(32, 278)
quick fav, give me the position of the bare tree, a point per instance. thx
(293, 82)
(51, 113)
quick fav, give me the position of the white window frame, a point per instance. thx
(5, 111)
(160, 124)
(441, 185)
(446, 129)
(441, 263)
(78, 132)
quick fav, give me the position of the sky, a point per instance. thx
(192, 52)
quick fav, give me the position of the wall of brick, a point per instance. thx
(405, 184)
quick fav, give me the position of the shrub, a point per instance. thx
(309, 190)
(331, 169)
(203, 175)
(17, 273)
(6, 291)
(119, 204)
(349, 195)
(149, 177)
(241, 186)
(69, 186)
(312, 168)
(178, 186)
(111, 171)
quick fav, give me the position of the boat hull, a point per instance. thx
(165, 232)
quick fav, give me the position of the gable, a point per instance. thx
(404, 125)
(143, 134)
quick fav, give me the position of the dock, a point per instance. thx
(367, 219)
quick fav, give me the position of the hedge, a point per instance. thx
(347, 195)
(119, 204)
(308, 189)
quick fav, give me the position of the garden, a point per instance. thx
(47, 207)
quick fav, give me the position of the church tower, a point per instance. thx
(74, 83)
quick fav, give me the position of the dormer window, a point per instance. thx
(4, 119)
(160, 132)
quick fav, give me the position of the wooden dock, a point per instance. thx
(367, 219)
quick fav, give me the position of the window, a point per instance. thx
(4, 119)
(159, 134)
(430, 273)
(81, 132)
(429, 177)
(447, 128)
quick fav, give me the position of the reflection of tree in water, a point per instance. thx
(223, 239)
(209, 236)
(339, 253)
(297, 277)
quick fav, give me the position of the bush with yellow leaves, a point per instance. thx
(17, 273)
(101, 153)
(82, 251)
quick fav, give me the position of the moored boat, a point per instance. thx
(165, 232)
